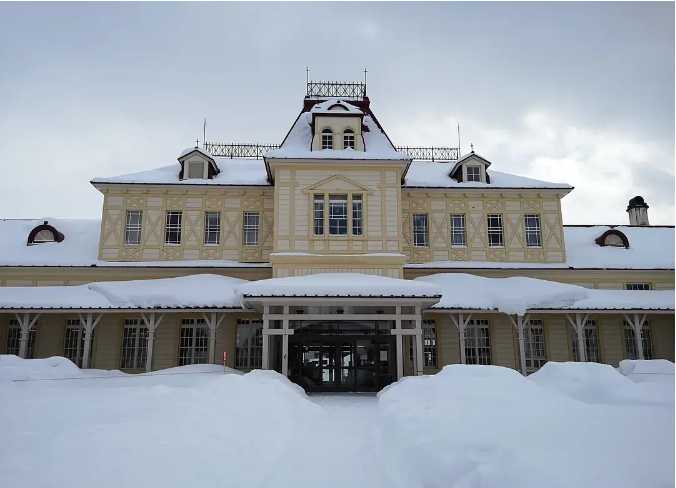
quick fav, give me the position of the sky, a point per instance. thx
(581, 93)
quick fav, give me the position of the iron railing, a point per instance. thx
(257, 151)
(342, 89)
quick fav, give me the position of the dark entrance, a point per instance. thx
(342, 356)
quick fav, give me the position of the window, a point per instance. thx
(337, 214)
(429, 334)
(420, 233)
(591, 342)
(327, 139)
(637, 286)
(477, 342)
(132, 227)
(318, 214)
(134, 345)
(348, 139)
(172, 227)
(357, 214)
(534, 345)
(630, 342)
(249, 344)
(473, 173)
(212, 227)
(250, 228)
(458, 231)
(195, 169)
(495, 238)
(533, 234)
(193, 346)
(74, 342)
(14, 339)
(44, 236)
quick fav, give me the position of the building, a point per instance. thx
(337, 258)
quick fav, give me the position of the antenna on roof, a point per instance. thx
(204, 131)
(307, 74)
(471, 145)
(459, 151)
(365, 71)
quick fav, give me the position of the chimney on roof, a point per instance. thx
(638, 211)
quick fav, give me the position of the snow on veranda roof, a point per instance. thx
(518, 295)
(194, 291)
(339, 285)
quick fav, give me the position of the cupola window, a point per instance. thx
(348, 139)
(327, 139)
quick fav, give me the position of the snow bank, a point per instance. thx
(477, 426)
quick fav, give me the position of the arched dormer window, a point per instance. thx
(327, 139)
(44, 233)
(613, 237)
(348, 139)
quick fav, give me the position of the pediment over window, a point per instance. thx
(614, 238)
(336, 183)
(197, 163)
(44, 233)
(471, 168)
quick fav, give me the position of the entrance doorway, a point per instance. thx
(342, 362)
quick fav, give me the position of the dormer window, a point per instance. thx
(348, 139)
(44, 233)
(614, 238)
(195, 169)
(474, 173)
(327, 139)
(197, 164)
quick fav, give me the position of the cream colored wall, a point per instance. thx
(475, 205)
(337, 124)
(193, 201)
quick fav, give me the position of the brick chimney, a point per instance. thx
(638, 211)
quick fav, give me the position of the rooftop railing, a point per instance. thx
(342, 89)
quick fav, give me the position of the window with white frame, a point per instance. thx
(327, 139)
(420, 230)
(74, 341)
(473, 173)
(630, 342)
(193, 346)
(495, 230)
(338, 214)
(357, 215)
(477, 342)
(250, 227)
(348, 139)
(458, 237)
(534, 345)
(637, 286)
(14, 339)
(195, 169)
(212, 228)
(591, 342)
(318, 214)
(172, 227)
(133, 227)
(249, 344)
(134, 345)
(533, 232)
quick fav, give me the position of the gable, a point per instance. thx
(335, 183)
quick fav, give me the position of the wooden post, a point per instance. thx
(265, 360)
(213, 320)
(419, 358)
(152, 321)
(636, 322)
(461, 324)
(88, 322)
(520, 325)
(578, 323)
(26, 323)
(399, 343)
(285, 342)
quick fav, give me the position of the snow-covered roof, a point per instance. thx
(201, 150)
(339, 285)
(234, 172)
(329, 107)
(297, 144)
(427, 174)
(649, 248)
(517, 295)
(195, 291)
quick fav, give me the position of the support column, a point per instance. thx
(152, 322)
(88, 322)
(26, 323)
(399, 343)
(265, 360)
(419, 358)
(461, 324)
(520, 326)
(285, 342)
(578, 322)
(213, 320)
(636, 322)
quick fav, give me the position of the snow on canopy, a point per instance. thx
(335, 105)
(427, 174)
(299, 141)
(188, 150)
(339, 285)
(234, 172)
(195, 291)
(517, 295)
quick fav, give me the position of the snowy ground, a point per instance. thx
(570, 424)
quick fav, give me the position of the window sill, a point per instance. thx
(212, 244)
